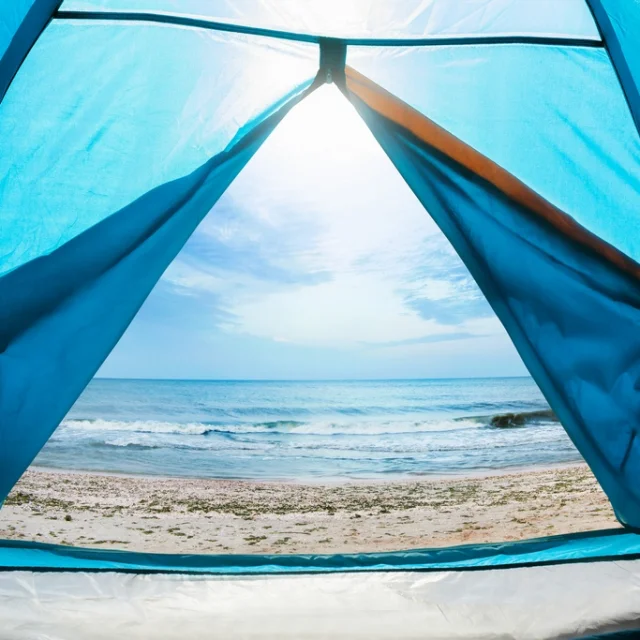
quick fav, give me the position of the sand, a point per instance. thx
(232, 516)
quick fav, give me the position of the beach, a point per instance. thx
(180, 515)
(305, 467)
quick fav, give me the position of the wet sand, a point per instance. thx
(168, 515)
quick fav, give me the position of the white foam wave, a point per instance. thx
(130, 442)
(316, 428)
(138, 426)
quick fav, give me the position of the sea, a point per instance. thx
(308, 430)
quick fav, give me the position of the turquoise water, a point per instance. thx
(305, 430)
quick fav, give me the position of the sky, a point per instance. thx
(317, 263)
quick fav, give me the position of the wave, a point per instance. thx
(206, 413)
(311, 428)
(128, 444)
(143, 442)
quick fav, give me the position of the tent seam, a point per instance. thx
(203, 23)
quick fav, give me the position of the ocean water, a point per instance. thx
(306, 430)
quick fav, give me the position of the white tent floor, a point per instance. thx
(555, 601)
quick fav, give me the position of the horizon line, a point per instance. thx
(144, 379)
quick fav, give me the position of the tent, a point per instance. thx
(515, 123)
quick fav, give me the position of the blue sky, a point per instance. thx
(318, 262)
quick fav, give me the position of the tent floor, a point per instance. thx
(556, 601)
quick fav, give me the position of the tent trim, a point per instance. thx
(592, 546)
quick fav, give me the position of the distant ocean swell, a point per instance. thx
(308, 430)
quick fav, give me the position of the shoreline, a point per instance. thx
(326, 482)
(180, 515)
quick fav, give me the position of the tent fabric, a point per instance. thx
(559, 587)
(493, 222)
(534, 603)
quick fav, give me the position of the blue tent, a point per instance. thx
(515, 122)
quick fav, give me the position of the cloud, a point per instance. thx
(319, 244)
(428, 339)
